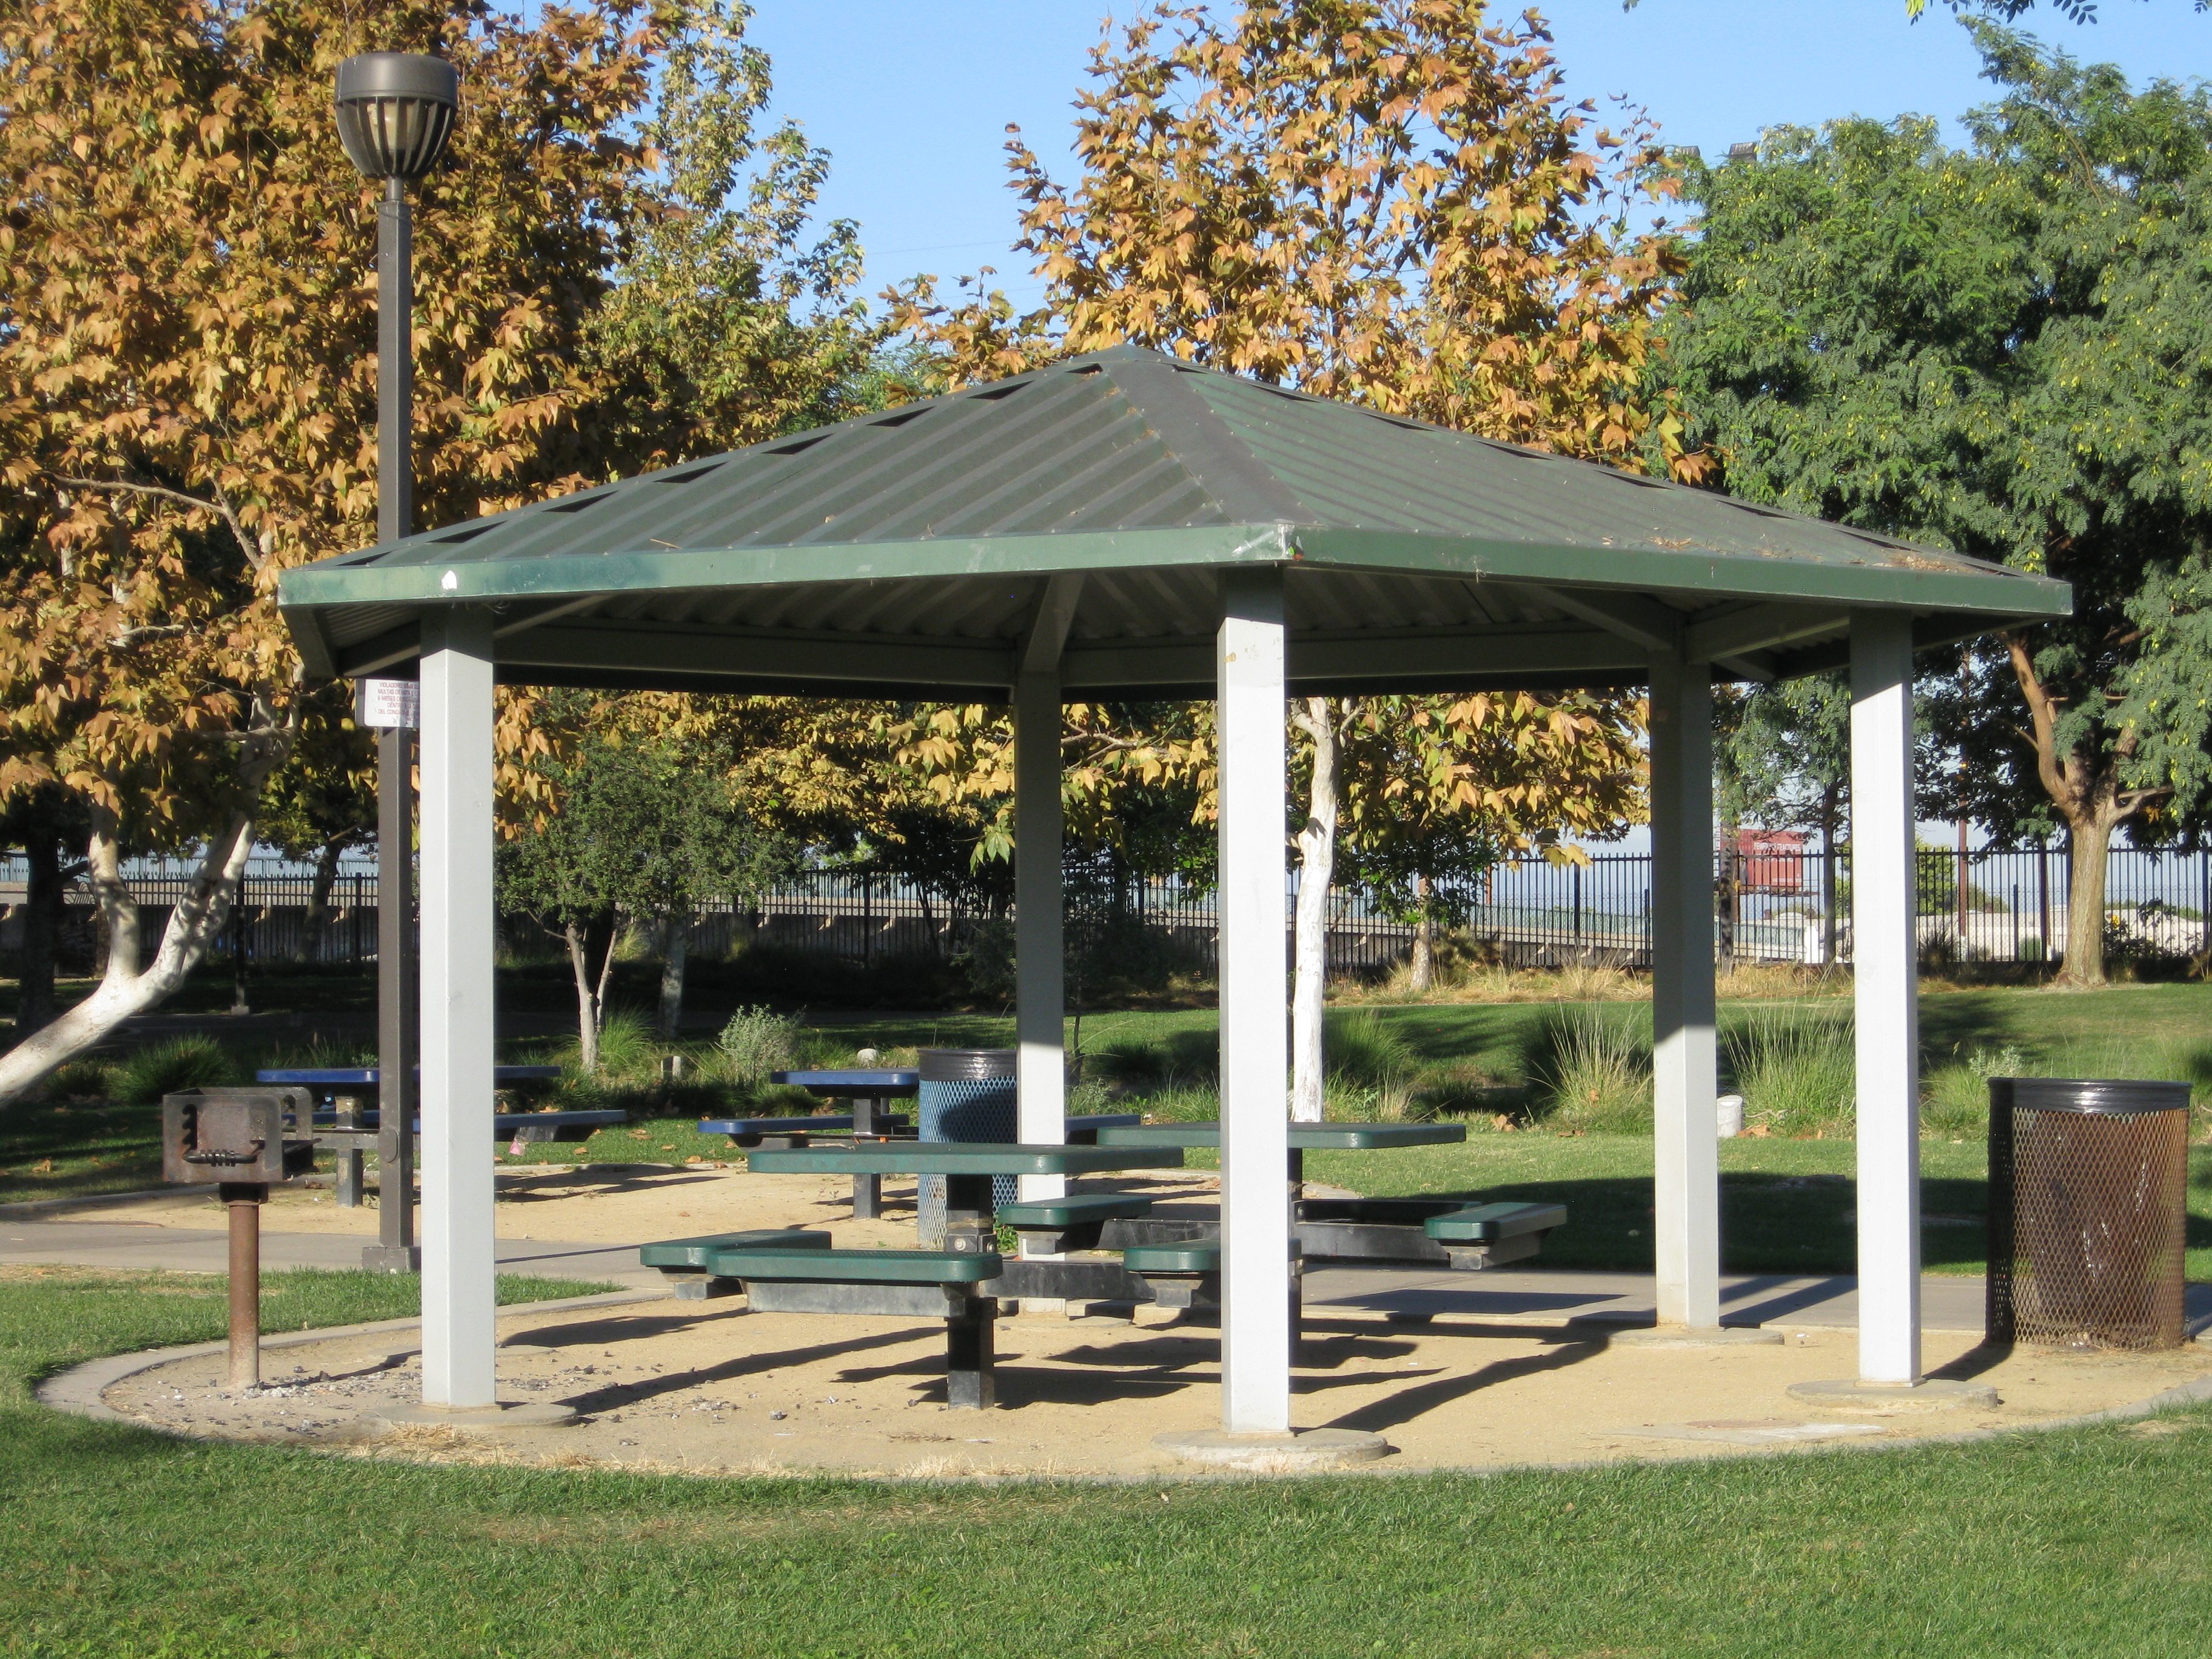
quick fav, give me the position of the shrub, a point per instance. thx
(167, 1068)
(756, 1041)
(83, 1079)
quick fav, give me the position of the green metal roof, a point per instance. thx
(916, 552)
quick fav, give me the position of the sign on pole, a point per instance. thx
(390, 703)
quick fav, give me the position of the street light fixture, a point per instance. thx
(395, 112)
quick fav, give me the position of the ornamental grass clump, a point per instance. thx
(1795, 1066)
(1371, 1068)
(1591, 1069)
(167, 1068)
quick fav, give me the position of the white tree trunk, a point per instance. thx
(577, 939)
(1316, 869)
(124, 990)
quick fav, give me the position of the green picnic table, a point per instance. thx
(967, 1167)
(1303, 1138)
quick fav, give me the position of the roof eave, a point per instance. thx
(2008, 594)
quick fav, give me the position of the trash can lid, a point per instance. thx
(2102, 1097)
(965, 1064)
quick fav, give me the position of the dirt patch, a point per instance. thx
(709, 1389)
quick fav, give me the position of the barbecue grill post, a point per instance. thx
(1885, 996)
(457, 944)
(1256, 1267)
(244, 1200)
(1686, 1185)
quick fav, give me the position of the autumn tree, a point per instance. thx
(2002, 348)
(187, 387)
(1390, 202)
(1413, 790)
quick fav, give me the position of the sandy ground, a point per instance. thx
(634, 1203)
(707, 1387)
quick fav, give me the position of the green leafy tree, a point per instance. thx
(2007, 350)
(635, 832)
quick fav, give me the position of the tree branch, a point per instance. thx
(219, 507)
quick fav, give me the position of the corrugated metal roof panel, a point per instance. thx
(939, 521)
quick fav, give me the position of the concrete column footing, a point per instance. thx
(1688, 1336)
(1930, 1395)
(506, 1414)
(1273, 1454)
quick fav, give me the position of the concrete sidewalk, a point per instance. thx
(134, 1245)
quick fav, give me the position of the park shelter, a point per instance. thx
(1126, 524)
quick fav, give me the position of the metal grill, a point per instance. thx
(2087, 1211)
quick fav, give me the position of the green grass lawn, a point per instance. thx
(1786, 1202)
(117, 1544)
(1786, 1206)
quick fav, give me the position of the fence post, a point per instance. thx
(2043, 894)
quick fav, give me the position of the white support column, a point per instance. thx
(455, 1151)
(1685, 1202)
(1040, 976)
(1255, 1279)
(1885, 998)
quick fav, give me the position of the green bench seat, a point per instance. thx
(1073, 1211)
(1053, 1226)
(685, 1261)
(1187, 1273)
(899, 1284)
(1194, 1257)
(1489, 1224)
(857, 1266)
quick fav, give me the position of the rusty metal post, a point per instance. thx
(244, 1200)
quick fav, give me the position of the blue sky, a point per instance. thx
(913, 100)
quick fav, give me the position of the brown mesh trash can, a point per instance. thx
(2087, 1208)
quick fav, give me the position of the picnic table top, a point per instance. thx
(791, 1126)
(961, 1158)
(369, 1076)
(864, 1084)
(1303, 1137)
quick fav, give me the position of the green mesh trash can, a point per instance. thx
(965, 1094)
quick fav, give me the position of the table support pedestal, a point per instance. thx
(867, 1189)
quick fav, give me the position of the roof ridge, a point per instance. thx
(1245, 488)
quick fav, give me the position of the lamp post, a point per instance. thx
(395, 112)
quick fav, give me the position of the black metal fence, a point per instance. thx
(1770, 905)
